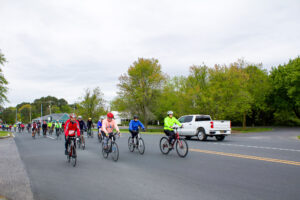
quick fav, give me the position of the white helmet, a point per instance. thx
(170, 112)
(101, 117)
(79, 117)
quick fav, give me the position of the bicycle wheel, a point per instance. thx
(164, 145)
(115, 151)
(141, 146)
(104, 152)
(130, 144)
(182, 147)
(83, 143)
(74, 157)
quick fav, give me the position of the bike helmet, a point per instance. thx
(101, 117)
(110, 115)
(90, 118)
(135, 117)
(79, 117)
(170, 112)
(72, 115)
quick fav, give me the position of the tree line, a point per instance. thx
(242, 92)
(245, 93)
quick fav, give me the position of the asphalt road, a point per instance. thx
(244, 166)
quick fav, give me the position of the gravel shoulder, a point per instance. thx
(14, 181)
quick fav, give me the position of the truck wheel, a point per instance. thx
(201, 134)
(220, 137)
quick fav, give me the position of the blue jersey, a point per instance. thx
(134, 125)
(99, 125)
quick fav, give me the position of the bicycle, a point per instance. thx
(139, 144)
(33, 133)
(72, 155)
(182, 147)
(100, 136)
(39, 131)
(57, 131)
(51, 131)
(90, 133)
(112, 147)
(81, 140)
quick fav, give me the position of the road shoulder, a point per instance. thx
(14, 181)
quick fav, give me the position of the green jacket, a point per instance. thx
(58, 125)
(169, 122)
(49, 124)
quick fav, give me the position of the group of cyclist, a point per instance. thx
(107, 126)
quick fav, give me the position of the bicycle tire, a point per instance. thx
(104, 152)
(74, 157)
(141, 146)
(130, 144)
(182, 144)
(164, 145)
(115, 151)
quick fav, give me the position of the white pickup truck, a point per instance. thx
(202, 126)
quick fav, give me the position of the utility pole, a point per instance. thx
(41, 111)
(30, 114)
(16, 114)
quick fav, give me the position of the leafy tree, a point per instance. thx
(3, 81)
(26, 113)
(285, 92)
(92, 104)
(9, 115)
(140, 88)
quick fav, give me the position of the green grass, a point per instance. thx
(251, 129)
(4, 133)
(298, 137)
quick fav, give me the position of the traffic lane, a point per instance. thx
(154, 176)
(94, 176)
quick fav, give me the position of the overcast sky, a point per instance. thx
(60, 47)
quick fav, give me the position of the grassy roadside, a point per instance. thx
(250, 129)
(298, 137)
(4, 133)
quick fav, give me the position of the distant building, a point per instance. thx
(61, 117)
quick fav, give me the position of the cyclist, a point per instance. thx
(38, 127)
(169, 123)
(108, 126)
(89, 125)
(28, 127)
(22, 127)
(134, 127)
(34, 128)
(49, 126)
(57, 127)
(83, 128)
(44, 127)
(71, 126)
(99, 126)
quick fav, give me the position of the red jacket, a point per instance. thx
(69, 126)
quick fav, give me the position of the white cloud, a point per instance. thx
(61, 47)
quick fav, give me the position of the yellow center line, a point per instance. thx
(289, 162)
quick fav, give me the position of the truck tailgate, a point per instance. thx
(221, 125)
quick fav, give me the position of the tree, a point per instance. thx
(3, 81)
(285, 92)
(92, 104)
(140, 88)
(26, 113)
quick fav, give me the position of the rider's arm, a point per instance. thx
(78, 129)
(131, 125)
(116, 126)
(141, 125)
(66, 128)
(104, 128)
(177, 122)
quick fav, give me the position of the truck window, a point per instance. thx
(188, 119)
(202, 118)
(181, 119)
